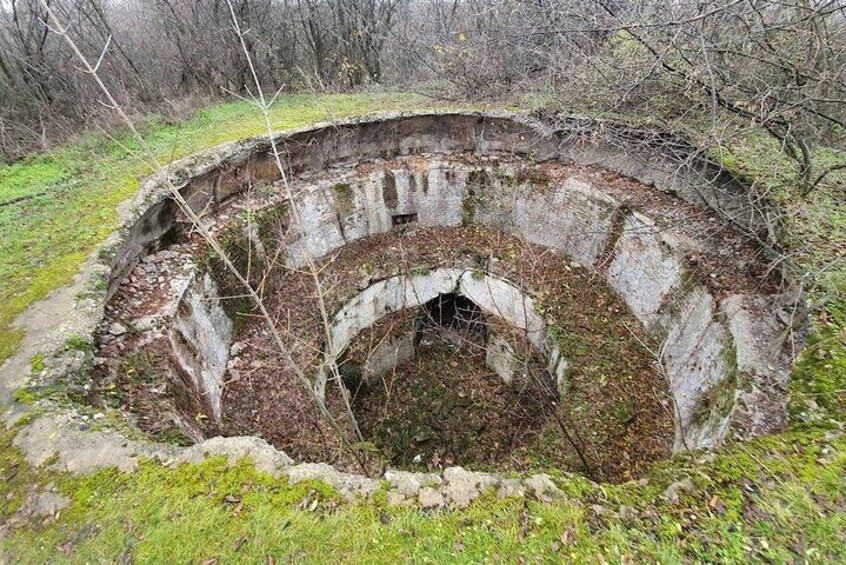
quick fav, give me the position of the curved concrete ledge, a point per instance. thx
(56, 442)
(212, 177)
(724, 355)
(495, 296)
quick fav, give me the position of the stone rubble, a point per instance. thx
(58, 442)
(672, 493)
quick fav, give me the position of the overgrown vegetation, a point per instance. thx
(759, 83)
(774, 499)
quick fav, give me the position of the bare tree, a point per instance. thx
(780, 66)
(92, 70)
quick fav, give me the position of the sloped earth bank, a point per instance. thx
(660, 326)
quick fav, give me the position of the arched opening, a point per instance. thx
(451, 314)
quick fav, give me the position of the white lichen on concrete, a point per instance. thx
(699, 370)
(646, 267)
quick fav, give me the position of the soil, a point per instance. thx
(133, 371)
(445, 407)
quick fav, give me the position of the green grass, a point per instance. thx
(73, 192)
(772, 500)
(813, 228)
(818, 384)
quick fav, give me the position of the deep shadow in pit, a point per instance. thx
(433, 387)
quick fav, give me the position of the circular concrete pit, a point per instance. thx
(483, 289)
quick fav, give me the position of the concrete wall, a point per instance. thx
(500, 357)
(387, 355)
(572, 217)
(708, 355)
(201, 337)
(641, 261)
(645, 267)
(209, 178)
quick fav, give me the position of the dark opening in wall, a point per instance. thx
(401, 220)
(455, 313)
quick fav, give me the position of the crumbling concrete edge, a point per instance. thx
(56, 443)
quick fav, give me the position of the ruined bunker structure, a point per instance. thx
(660, 242)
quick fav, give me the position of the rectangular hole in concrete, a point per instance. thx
(400, 220)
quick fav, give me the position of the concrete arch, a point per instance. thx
(494, 295)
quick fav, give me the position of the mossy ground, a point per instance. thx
(778, 499)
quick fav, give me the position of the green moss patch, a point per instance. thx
(818, 387)
(772, 500)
